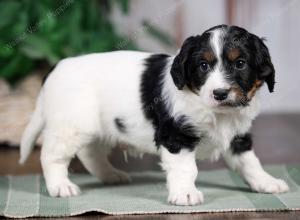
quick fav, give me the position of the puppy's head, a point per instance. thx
(225, 66)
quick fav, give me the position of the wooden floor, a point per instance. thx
(276, 140)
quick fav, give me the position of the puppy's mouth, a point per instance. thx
(234, 103)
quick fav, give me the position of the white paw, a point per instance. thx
(63, 188)
(115, 177)
(188, 196)
(268, 184)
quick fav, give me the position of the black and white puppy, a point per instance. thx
(197, 104)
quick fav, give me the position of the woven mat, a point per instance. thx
(25, 196)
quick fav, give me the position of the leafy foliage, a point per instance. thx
(49, 30)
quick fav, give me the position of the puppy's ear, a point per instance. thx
(179, 67)
(266, 71)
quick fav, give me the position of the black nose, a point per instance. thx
(220, 94)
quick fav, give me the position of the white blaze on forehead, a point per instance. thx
(216, 78)
(216, 41)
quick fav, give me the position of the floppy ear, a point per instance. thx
(266, 71)
(179, 67)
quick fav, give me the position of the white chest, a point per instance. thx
(218, 133)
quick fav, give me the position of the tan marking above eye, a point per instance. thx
(208, 56)
(233, 54)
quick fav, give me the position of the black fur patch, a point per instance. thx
(254, 52)
(186, 66)
(174, 134)
(120, 125)
(241, 143)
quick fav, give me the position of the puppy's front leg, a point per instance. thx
(241, 158)
(181, 172)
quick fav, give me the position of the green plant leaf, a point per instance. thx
(8, 12)
(6, 50)
(36, 47)
(49, 30)
(16, 68)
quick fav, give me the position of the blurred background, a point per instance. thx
(35, 35)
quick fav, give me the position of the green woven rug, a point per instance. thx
(25, 196)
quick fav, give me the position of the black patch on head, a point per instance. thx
(174, 134)
(256, 55)
(241, 143)
(265, 68)
(120, 125)
(186, 68)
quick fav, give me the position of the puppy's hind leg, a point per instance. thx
(56, 154)
(94, 158)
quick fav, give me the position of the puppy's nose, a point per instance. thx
(220, 94)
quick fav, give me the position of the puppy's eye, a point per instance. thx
(240, 64)
(204, 66)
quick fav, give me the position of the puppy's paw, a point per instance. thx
(63, 188)
(187, 196)
(268, 184)
(115, 177)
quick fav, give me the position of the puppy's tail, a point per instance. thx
(32, 131)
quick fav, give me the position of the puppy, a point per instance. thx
(199, 103)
